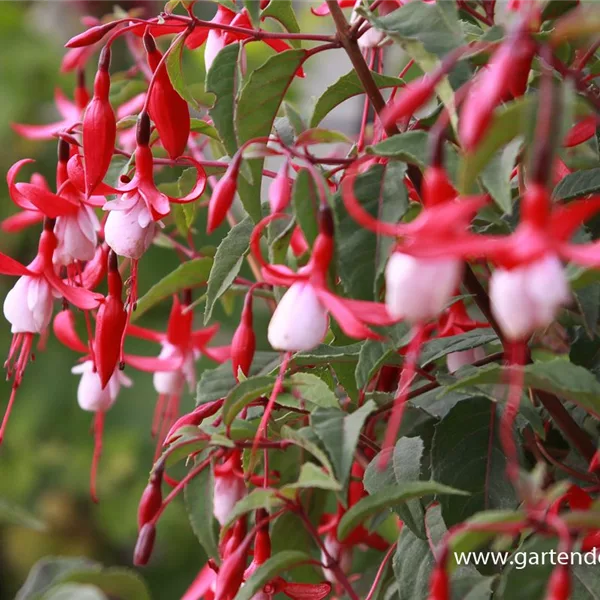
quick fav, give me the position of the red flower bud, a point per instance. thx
(194, 418)
(90, 36)
(168, 110)
(580, 132)
(144, 545)
(559, 586)
(436, 186)
(439, 588)
(99, 128)
(243, 343)
(151, 499)
(110, 324)
(231, 573)
(412, 96)
(280, 191)
(222, 197)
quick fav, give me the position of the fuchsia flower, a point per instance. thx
(76, 222)
(217, 39)
(410, 290)
(71, 113)
(28, 306)
(27, 216)
(300, 320)
(181, 347)
(229, 486)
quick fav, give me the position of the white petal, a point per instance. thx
(228, 491)
(299, 321)
(548, 288)
(511, 304)
(456, 360)
(124, 235)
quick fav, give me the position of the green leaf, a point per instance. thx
(439, 347)
(559, 377)
(198, 495)
(312, 476)
(189, 274)
(48, 571)
(204, 128)
(114, 582)
(256, 109)
(321, 136)
(299, 439)
(173, 63)
(579, 183)
(216, 383)
(414, 562)
(185, 184)
(387, 498)
(73, 591)
(508, 122)
(346, 87)
(221, 80)
(339, 432)
(258, 498)
(271, 568)
(227, 263)
(405, 464)
(243, 394)
(253, 8)
(361, 254)
(474, 462)
(305, 202)
(314, 390)
(11, 514)
(283, 12)
(325, 353)
(374, 353)
(496, 175)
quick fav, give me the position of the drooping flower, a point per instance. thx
(28, 306)
(229, 486)
(301, 317)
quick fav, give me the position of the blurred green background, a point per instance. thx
(45, 458)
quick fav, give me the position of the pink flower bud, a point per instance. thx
(418, 289)
(280, 191)
(28, 305)
(222, 197)
(243, 343)
(528, 297)
(144, 545)
(99, 128)
(300, 321)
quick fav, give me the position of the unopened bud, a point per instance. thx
(144, 545)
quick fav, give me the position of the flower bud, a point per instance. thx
(169, 111)
(110, 324)
(243, 343)
(144, 545)
(231, 574)
(151, 499)
(99, 128)
(280, 191)
(222, 196)
(439, 588)
(91, 36)
(418, 289)
(299, 322)
(580, 132)
(559, 586)
(412, 96)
